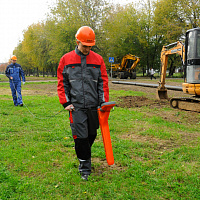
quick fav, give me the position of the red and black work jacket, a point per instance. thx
(82, 80)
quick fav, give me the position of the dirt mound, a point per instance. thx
(138, 101)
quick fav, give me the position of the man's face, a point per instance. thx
(83, 48)
(14, 61)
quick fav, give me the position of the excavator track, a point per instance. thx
(186, 103)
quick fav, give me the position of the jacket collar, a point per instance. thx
(78, 52)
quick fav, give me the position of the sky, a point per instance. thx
(17, 15)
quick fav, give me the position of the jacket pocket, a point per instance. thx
(11, 70)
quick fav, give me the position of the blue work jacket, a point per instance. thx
(15, 71)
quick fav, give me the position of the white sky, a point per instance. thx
(17, 15)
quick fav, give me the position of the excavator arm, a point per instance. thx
(135, 63)
(174, 48)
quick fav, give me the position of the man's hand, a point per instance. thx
(11, 77)
(70, 108)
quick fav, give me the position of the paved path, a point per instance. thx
(169, 87)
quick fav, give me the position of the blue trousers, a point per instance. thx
(16, 92)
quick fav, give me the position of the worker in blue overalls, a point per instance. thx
(15, 72)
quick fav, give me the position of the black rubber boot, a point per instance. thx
(85, 177)
(85, 168)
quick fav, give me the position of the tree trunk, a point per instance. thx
(56, 70)
(171, 69)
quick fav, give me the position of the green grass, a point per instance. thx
(155, 158)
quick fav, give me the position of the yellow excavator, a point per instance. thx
(190, 55)
(126, 68)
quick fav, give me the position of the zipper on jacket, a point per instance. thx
(82, 81)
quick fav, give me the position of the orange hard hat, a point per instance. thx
(13, 57)
(86, 36)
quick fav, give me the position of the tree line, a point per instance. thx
(139, 28)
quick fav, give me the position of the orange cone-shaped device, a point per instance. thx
(103, 113)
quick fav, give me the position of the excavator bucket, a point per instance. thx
(103, 114)
(161, 94)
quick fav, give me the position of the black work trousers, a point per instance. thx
(84, 124)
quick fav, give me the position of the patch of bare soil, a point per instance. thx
(168, 115)
(161, 144)
(42, 89)
(33, 89)
(139, 101)
(104, 167)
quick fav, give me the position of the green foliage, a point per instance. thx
(140, 29)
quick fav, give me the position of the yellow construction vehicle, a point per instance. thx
(126, 68)
(190, 55)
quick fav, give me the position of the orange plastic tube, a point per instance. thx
(103, 114)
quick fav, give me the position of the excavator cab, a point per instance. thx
(192, 63)
(129, 63)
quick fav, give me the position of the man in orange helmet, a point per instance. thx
(82, 87)
(15, 72)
